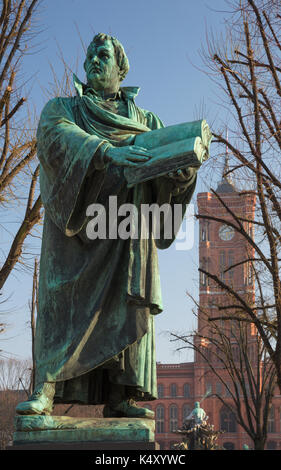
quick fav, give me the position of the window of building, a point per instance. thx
(219, 389)
(208, 354)
(173, 390)
(222, 325)
(248, 274)
(271, 445)
(160, 417)
(247, 389)
(186, 390)
(228, 388)
(208, 388)
(173, 412)
(253, 353)
(186, 410)
(235, 352)
(239, 390)
(226, 260)
(160, 389)
(230, 263)
(218, 355)
(271, 421)
(204, 231)
(204, 264)
(228, 446)
(222, 265)
(227, 420)
(234, 330)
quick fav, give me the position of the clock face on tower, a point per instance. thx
(226, 233)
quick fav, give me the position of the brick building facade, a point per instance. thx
(180, 385)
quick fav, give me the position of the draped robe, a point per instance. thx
(97, 298)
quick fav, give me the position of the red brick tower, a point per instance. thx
(221, 246)
(180, 385)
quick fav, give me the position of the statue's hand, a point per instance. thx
(130, 155)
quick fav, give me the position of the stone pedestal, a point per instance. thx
(65, 432)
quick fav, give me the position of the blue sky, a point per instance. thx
(162, 39)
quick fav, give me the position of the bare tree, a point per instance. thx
(18, 168)
(33, 305)
(14, 385)
(15, 374)
(233, 353)
(246, 67)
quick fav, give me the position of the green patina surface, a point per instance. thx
(97, 298)
(46, 429)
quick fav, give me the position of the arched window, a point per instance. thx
(222, 265)
(186, 390)
(173, 390)
(160, 389)
(186, 410)
(228, 387)
(204, 231)
(228, 446)
(227, 420)
(204, 264)
(230, 263)
(173, 415)
(160, 416)
(271, 422)
(219, 389)
(208, 388)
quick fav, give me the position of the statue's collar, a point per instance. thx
(129, 92)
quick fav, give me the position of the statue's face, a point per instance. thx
(101, 67)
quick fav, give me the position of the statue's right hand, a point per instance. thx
(130, 155)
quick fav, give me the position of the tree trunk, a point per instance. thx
(259, 443)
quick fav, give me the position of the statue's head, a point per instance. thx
(106, 63)
(197, 404)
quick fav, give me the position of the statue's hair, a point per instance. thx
(121, 58)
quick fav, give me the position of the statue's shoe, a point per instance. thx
(40, 402)
(127, 409)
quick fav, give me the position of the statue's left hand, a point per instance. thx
(130, 155)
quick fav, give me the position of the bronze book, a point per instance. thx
(172, 148)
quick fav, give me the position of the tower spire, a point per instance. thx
(226, 185)
(225, 175)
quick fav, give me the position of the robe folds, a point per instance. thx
(97, 298)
